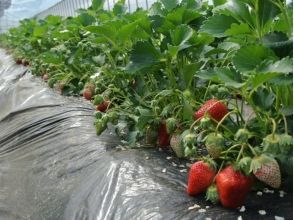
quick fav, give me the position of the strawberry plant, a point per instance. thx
(196, 77)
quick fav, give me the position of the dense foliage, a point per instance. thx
(150, 73)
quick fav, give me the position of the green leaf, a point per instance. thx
(190, 15)
(284, 65)
(50, 57)
(237, 9)
(162, 25)
(217, 25)
(181, 35)
(169, 4)
(39, 31)
(119, 8)
(176, 16)
(263, 98)
(219, 2)
(156, 9)
(143, 55)
(85, 19)
(261, 78)
(249, 57)
(133, 137)
(237, 29)
(223, 75)
(97, 4)
(126, 31)
(188, 72)
(53, 20)
(267, 11)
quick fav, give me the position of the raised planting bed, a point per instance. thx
(209, 85)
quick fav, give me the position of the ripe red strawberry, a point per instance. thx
(232, 187)
(214, 108)
(163, 136)
(176, 145)
(87, 94)
(200, 177)
(103, 106)
(267, 170)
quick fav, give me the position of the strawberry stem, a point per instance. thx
(274, 127)
(252, 150)
(221, 121)
(240, 153)
(285, 124)
(220, 168)
(194, 123)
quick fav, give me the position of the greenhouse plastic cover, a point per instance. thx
(53, 166)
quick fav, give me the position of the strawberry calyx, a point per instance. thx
(212, 194)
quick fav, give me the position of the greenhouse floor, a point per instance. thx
(53, 166)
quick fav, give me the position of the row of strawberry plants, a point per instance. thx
(213, 83)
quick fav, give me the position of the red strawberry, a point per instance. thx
(200, 177)
(103, 106)
(267, 170)
(163, 136)
(232, 187)
(214, 108)
(87, 94)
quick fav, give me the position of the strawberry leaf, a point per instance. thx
(143, 55)
(217, 25)
(249, 57)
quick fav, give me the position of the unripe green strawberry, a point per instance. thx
(171, 124)
(214, 144)
(242, 135)
(267, 170)
(151, 135)
(222, 92)
(98, 115)
(205, 123)
(105, 118)
(176, 145)
(98, 99)
(81, 85)
(100, 126)
(286, 142)
(187, 94)
(271, 144)
(189, 140)
(213, 89)
(113, 117)
(51, 82)
(190, 151)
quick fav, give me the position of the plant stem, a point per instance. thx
(285, 124)
(221, 121)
